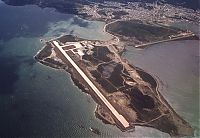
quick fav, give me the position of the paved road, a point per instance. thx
(172, 39)
(119, 117)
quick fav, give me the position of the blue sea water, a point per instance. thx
(36, 100)
(176, 67)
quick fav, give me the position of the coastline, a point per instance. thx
(97, 112)
(184, 35)
(177, 81)
(44, 101)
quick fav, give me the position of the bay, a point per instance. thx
(175, 65)
(36, 100)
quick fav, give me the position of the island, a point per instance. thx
(126, 95)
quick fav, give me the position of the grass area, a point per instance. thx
(45, 52)
(141, 31)
(69, 38)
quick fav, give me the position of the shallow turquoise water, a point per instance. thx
(40, 101)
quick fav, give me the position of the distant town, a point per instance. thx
(156, 12)
(126, 95)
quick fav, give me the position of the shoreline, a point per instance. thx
(137, 68)
(190, 35)
(81, 86)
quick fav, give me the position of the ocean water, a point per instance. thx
(36, 100)
(176, 67)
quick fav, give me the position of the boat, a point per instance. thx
(95, 130)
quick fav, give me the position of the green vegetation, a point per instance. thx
(46, 51)
(141, 31)
(69, 38)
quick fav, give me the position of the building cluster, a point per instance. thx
(78, 48)
(165, 13)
